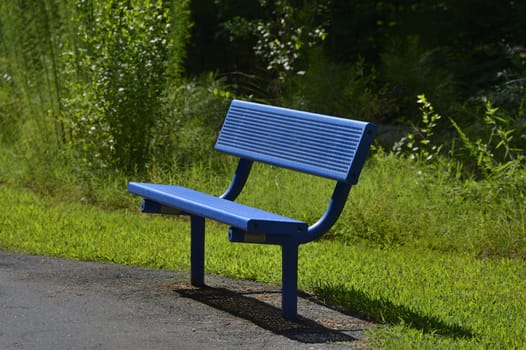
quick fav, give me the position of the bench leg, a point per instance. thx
(197, 251)
(289, 261)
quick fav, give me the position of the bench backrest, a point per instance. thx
(317, 144)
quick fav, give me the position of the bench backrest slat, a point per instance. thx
(313, 143)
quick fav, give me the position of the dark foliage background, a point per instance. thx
(132, 85)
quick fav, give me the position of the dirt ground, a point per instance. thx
(49, 303)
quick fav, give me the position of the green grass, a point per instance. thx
(398, 203)
(426, 298)
(437, 261)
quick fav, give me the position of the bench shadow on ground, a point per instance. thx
(262, 308)
(385, 311)
(249, 306)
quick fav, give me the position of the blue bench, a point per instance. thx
(321, 145)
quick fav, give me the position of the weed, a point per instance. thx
(497, 156)
(420, 144)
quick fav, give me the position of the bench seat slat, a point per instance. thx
(238, 215)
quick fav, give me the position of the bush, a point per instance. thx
(500, 155)
(408, 69)
(497, 153)
(478, 187)
(340, 89)
(126, 54)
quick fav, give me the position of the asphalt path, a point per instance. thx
(50, 303)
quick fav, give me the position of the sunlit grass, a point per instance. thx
(429, 299)
(439, 261)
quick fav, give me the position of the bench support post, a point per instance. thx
(197, 251)
(289, 277)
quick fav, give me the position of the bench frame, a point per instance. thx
(326, 146)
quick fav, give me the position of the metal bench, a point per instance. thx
(321, 145)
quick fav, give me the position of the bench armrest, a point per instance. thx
(331, 215)
(239, 180)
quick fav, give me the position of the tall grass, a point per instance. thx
(83, 80)
(397, 203)
(31, 73)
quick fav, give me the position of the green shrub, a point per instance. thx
(408, 69)
(123, 60)
(499, 156)
(339, 89)
(474, 184)
(83, 80)
(282, 37)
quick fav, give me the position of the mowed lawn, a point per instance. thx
(421, 298)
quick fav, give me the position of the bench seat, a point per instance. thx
(234, 214)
